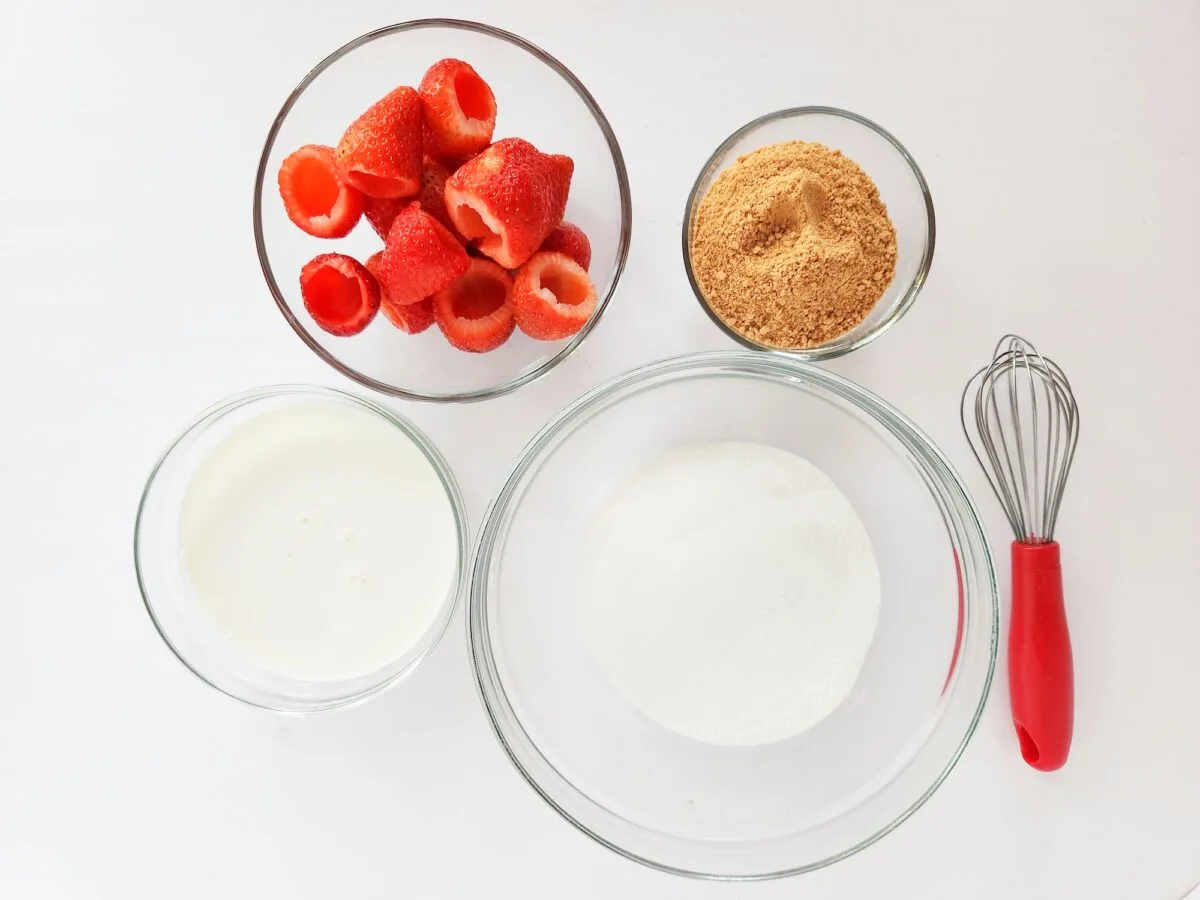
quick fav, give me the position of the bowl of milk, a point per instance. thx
(300, 548)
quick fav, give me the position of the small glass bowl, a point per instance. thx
(901, 186)
(735, 813)
(188, 632)
(538, 99)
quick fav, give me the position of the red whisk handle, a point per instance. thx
(1041, 678)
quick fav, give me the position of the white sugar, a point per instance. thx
(730, 591)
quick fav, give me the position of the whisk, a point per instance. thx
(1020, 418)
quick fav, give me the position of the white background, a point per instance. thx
(1060, 142)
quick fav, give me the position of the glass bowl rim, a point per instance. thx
(838, 346)
(423, 443)
(619, 166)
(782, 368)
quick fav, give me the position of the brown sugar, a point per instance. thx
(792, 246)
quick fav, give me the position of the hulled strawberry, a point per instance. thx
(314, 197)
(380, 153)
(571, 240)
(474, 312)
(412, 318)
(339, 293)
(420, 257)
(509, 198)
(552, 297)
(460, 109)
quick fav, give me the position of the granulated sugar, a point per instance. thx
(730, 591)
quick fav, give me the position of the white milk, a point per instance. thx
(319, 540)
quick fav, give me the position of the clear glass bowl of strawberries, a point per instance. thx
(441, 210)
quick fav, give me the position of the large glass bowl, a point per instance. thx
(538, 99)
(901, 186)
(745, 812)
(197, 639)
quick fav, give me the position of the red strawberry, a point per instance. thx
(381, 213)
(339, 293)
(412, 317)
(460, 110)
(429, 145)
(420, 257)
(380, 153)
(454, 163)
(552, 297)
(571, 240)
(313, 196)
(433, 191)
(509, 197)
(474, 313)
(372, 265)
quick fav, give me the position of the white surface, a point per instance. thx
(300, 528)
(1060, 141)
(730, 591)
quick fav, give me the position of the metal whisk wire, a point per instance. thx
(1026, 426)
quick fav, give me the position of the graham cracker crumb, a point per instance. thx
(792, 245)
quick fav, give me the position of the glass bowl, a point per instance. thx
(735, 813)
(538, 99)
(196, 639)
(901, 186)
